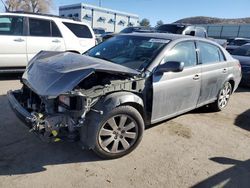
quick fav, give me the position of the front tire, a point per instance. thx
(223, 98)
(119, 132)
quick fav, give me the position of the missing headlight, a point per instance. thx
(64, 100)
(74, 103)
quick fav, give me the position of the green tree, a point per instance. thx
(145, 22)
(159, 23)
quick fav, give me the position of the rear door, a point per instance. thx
(214, 71)
(12, 42)
(177, 92)
(43, 35)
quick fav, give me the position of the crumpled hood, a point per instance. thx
(55, 73)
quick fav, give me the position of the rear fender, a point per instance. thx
(230, 78)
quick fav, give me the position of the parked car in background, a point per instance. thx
(130, 30)
(235, 43)
(183, 29)
(99, 32)
(187, 29)
(23, 35)
(243, 55)
(106, 97)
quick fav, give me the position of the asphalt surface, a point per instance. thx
(198, 149)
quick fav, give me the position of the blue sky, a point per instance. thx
(170, 10)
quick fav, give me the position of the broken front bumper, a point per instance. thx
(20, 111)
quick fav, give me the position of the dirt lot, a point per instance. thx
(198, 149)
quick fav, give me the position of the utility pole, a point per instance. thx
(100, 3)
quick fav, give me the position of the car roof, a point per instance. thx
(171, 37)
(42, 16)
(166, 36)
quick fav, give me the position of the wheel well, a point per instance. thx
(232, 84)
(137, 106)
(73, 51)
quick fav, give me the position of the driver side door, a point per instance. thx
(13, 51)
(177, 92)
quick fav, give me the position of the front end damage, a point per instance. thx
(60, 115)
(53, 119)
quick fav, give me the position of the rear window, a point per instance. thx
(39, 27)
(55, 30)
(43, 28)
(210, 53)
(81, 31)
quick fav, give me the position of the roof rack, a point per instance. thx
(42, 14)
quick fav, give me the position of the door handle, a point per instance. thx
(224, 70)
(56, 41)
(19, 40)
(196, 77)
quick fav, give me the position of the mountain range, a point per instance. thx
(211, 20)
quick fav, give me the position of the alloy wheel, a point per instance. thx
(224, 96)
(118, 134)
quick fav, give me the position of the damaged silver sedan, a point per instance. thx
(105, 98)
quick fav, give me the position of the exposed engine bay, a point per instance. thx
(56, 118)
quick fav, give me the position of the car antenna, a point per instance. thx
(6, 9)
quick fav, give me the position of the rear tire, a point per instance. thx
(119, 132)
(223, 98)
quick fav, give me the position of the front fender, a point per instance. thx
(113, 100)
(106, 104)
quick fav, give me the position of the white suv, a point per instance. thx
(23, 35)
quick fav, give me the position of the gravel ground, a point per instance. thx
(198, 149)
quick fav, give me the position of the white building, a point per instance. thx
(98, 17)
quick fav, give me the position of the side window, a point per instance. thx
(183, 52)
(222, 57)
(210, 53)
(81, 31)
(39, 27)
(11, 25)
(55, 31)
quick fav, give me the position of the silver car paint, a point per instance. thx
(212, 78)
(54, 73)
(177, 93)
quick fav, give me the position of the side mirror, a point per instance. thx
(170, 66)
